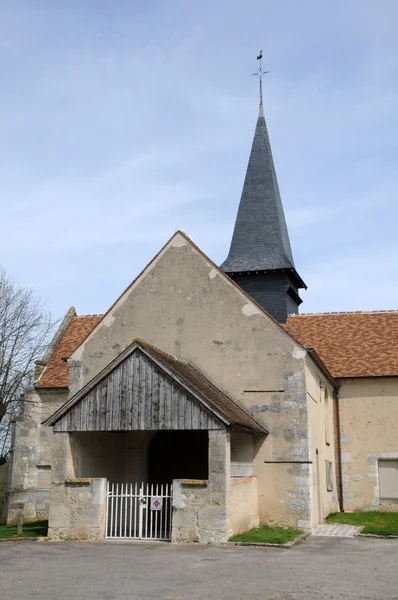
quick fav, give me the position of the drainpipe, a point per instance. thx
(340, 491)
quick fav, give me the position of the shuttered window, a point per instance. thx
(388, 478)
(329, 475)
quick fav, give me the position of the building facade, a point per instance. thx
(201, 404)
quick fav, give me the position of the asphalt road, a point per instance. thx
(320, 568)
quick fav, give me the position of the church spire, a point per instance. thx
(260, 242)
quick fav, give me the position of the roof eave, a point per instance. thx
(321, 365)
(291, 270)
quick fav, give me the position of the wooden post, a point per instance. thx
(20, 522)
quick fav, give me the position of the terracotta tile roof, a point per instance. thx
(56, 373)
(357, 344)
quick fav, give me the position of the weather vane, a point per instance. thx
(260, 73)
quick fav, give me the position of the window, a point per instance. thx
(388, 478)
(329, 475)
(327, 419)
(241, 469)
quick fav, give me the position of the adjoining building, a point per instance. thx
(202, 404)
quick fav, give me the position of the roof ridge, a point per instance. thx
(89, 315)
(346, 312)
(142, 342)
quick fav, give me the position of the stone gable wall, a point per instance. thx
(186, 307)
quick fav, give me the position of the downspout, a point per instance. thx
(340, 490)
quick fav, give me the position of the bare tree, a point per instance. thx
(25, 327)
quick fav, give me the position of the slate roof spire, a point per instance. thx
(260, 241)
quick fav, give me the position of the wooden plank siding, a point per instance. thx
(137, 395)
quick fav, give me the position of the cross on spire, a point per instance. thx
(260, 73)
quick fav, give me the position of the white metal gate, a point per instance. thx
(138, 511)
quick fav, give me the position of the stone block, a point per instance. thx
(81, 533)
(217, 467)
(184, 518)
(299, 452)
(59, 470)
(303, 505)
(212, 519)
(302, 434)
(372, 459)
(303, 524)
(304, 480)
(196, 497)
(218, 483)
(214, 536)
(79, 495)
(85, 517)
(346, 457)
(98, 489)
(304, 492)
(58, 494)
(294, 469)
(60, 445)
(42, 499)
(59, 516)
(184, 534)
(178, 500)
(30, 511)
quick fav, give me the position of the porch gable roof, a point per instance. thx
(218, 406)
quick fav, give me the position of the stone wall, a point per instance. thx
(3, 488)
(31, 456)
(25, 454)
(321, 417)
(78, 510)
(200, 507)
(368, 422)
(243, 504)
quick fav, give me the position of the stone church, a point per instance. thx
(201, 404)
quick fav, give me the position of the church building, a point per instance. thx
(202, 404)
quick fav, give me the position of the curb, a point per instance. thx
(290, 544)
(24, 539)
(373, 535)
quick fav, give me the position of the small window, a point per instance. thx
(241, 469)
(388, 478)
(329, 475)
(327, 419)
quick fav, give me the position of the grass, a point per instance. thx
(36, 529)
(267, 535)
(374, 523)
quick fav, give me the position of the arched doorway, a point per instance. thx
(178, 455)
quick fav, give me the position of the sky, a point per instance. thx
(123, 121)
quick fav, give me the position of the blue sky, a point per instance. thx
(123, 121)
